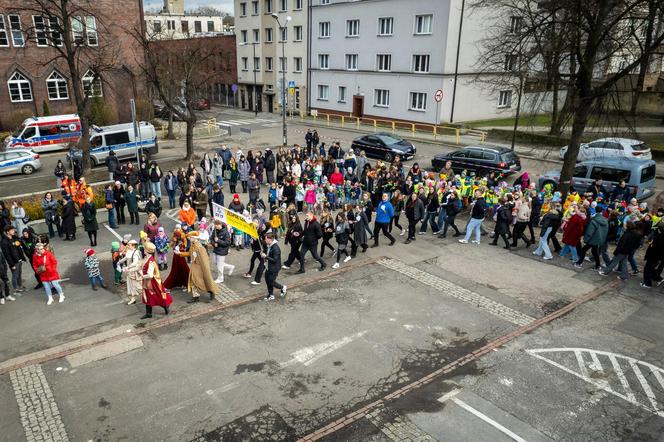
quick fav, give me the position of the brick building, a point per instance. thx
(34, 76)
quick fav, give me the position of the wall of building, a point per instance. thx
(171, 26)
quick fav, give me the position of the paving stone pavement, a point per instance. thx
(458, 292)
(40, 416)
(397, 427)
(227, 296)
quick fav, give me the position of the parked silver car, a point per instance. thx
(606, 148)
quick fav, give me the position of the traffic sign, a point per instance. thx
(291, 90)
(439, 96)
(234, 88)
(291, 84)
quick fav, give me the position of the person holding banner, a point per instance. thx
(220, 241)
(273, 257)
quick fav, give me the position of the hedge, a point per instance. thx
(32, 204)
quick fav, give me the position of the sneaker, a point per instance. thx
(218, 281)
(660, 282)
(247, 275)
(283, 291)
(348, 258)
(634, 272)
(132, 301)
(255, 283)
(463, 241)
(621, 278)
(403, 232)
(645, 286)
(322, 268)
(548, 258)
(230, 270)
(536, 253)
(421, 233)
(2, 301)
(476, 242)
(603, 273)
(269, 298)
(11, 298)
(578, 266)
(62, 298)
(50, 301)
(335, 265)
(285, 267)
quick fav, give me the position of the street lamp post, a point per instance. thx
(255, 83)
(283, 76)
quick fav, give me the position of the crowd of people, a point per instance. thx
(319, 198)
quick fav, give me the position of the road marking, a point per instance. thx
(488, 420)
(458, 292)
(397, 427)
(116, 234)
(628, 393)
(309, 355)
(171, 215)
(105, 351)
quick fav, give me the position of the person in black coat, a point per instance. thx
(68, 219)
(628, 243)
(294, 239)
(311, 233)
(654, 257)
(503, 222)
(13, 253)
(6, 294)
(414, 213)
(273, 257)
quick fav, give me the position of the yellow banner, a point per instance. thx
(234, 219)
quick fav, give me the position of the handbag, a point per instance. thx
(42, 268)
(26, 219)
(227, 174)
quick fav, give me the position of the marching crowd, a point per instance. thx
(317, 198)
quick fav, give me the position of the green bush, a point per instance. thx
(101, 113)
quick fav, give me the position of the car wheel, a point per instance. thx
(27, 169)
(389, 157)
(553, 184)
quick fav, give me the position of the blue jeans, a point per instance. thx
(474, 225)
(566, 249)
(112, 220)
(171, 198)
(96, 280)
(156, 188)
(442, 216)
(48, 285)
(543, 246)
(220, 180)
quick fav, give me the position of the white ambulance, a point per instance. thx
(45, 134)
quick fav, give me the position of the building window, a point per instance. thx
(19, 88)
(18, 39)
(423, 24)
(324, 2)
(170, 24)
(342, 94)
(323, 92)
(243, 36)
(243, 9)
(257, 64)
(245, 63)
(421, 64)
(418, 101)
(284, 34)
(352, 28)
(298, 5)
(268, 64)
(268, 6)
(41, 32)
(268, 35)
(298, 33)
(55, 31)
(156, 27)
(351, 62)
(283, 5)
(91, 84)
(57, 87)
(515, 24)
(257, 35)
(210, 26)
(298, 64)
(4, 38)
(381, 97)
(324, 29)
(505, 99)
(198, 28)
(384, 62)
(91, 31)
(323, 61)
(254, 8)
(184, 26)
(510, 62)
(385, 26)
(283, 64)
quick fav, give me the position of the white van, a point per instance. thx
(119, 138)
(45, 134)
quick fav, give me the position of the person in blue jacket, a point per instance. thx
(384, 214)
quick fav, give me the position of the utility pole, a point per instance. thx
(283, 76)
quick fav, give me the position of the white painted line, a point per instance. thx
(621, 377)
(488, 420)
(597, 367)
(449, 395)
(228, 123)
(645, 386)
(659, 377)
(309, 355)
(116, 234)
(582, 364)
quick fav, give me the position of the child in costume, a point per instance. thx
(162, 245)
(91, 264)
(115, 257)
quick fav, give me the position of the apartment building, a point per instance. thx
(173, 23)
(269, 49)
(387, 59)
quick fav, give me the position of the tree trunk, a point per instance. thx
(169, 134)
(191, 124)
(581, 114)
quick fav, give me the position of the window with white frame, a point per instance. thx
(505, 99)
(384, 62)
(351, 62)
(243, 36)
(283, 5)
(381, 97)
(268, 64)
(324, 2)
(20, 89)
(243, 9)
(254, 8)
(516, 23)
(198, 27)
(423, 24)
(55, 31)
(283, 64)
(41, 31)
(257, 64)
(170, 25)
(245, 63)
(84, 30)
(323, 92)
(510, 62)
(57, 86)
(323, 61)
(257, 35)
(268, 35)
(91, 31)
(4, 37)
(352, 28)
(91, 84)
(385, 26)
(283, 34)
(421, 63)
(324, 29)
(298, 33)
(418, 101)
(268, 6)
(77, 29)
(341, 94)
(18, 39)
(298, 5)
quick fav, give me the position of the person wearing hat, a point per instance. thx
(91, 264)
(68, 219)
(46, 266)
(132, 270)
(179, 274)
(154, 293)
(200, 275)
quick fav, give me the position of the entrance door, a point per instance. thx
(270, 104)
(358, 106)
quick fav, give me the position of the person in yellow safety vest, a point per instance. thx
(490, 198)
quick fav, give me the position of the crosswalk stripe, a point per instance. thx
(227, 123)
(644, 384)
(621, 377)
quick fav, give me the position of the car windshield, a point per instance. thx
(17, 132)
(390, 139)
(509, 156)
(639, 147)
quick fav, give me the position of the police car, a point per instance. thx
(23, 161)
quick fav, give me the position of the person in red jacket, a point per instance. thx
(46, 267)
(572, 233)
(337, 177)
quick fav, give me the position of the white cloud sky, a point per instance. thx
(224, 5)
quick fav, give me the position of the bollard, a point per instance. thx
(412, 128)
(458, 137)
(343, 119)
(394, 127)
(375, 125)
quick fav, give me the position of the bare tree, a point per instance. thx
(208, 11)
(77, 34)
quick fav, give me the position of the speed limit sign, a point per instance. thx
(439, 96)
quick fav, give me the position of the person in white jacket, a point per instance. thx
(133, 271)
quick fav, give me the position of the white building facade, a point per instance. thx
(387, 59)
(267, 53)
(173, 23)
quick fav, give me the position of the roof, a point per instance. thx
(616, 162)
(116, 127)
(619, 140)
(52, 118)
(499, 149)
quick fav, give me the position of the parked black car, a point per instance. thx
(385, 146)
(480, 159)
